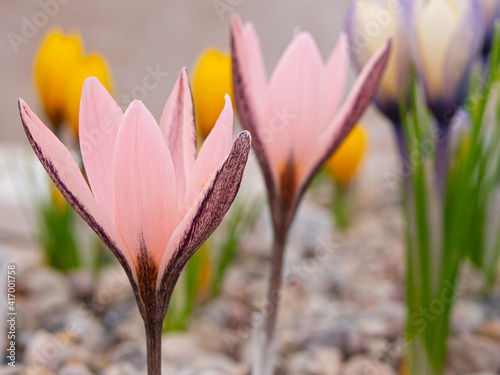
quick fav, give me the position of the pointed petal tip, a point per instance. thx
(305, 43)
(92, 79)
(92, 85)
(380, 58)
(21, 105)
(135, 104)
(24, 108)
(245, 137)
(136, 107)
(387, 46)
(384, 52)
(228, 109)
(235, 19)
(183, 73)
(243, 142)
(304, 36)
(240, 27)
(90, 82)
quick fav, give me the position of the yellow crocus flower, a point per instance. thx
(92, 65)
(343, 164)
(54, 61)
(212, 79)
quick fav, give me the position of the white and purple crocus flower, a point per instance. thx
(446, 38)
(442, 38)
(368, 24)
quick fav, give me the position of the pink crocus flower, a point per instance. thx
(296, 118)
(297, 122)
(152, 199)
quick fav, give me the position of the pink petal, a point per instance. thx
(296, 107)
(246, 49)
(145, 192)
(64, 171)
(212, 153)
(359, 98)
(178, 128)
(100, 119)
(205, 214)
(337, 69)
(249, 82)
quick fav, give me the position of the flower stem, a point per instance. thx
(153, 341)
(417, 358)
(403, 156)
(273, 298)
(274, 286)
(340, 206)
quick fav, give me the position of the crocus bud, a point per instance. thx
(93, 65)
(56, 58)
(344, 163)
(368, 24)
(212, 79)
(446, 37)
(491, 12)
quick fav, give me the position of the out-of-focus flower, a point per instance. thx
(57, 56)
(491, 12)
(60, 70)
(368, 24)
(446, 38)
(344, 162)
(153, 199)
(212, 79)
(297, 122)
(92, 65)
(296, 119)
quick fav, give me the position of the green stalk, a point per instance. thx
(340, 205)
